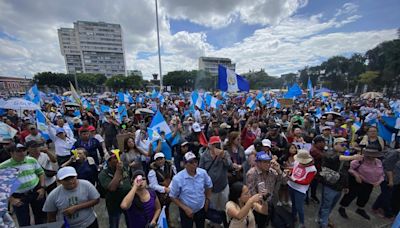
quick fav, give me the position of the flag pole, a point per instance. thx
(159, 51)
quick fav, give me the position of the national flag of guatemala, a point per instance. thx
(212, 101)
(139, 99)
(154, 94)
(123, 97)
(57, 99)
(251, 103)
(33, 95)
(260, 97)
(162, 219)
(230, 81)
(198, 101)
(42, 125)
(310, 89)
(122, 112)
(318, 113)
(276, 104)
(158, 124)
(386, 134)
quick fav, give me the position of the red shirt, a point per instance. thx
(247, 138)
(23, 135)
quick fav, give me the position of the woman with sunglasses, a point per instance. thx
(141, 204)
(239, 207)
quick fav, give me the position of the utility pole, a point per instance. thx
(159, 51)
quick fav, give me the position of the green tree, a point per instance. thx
(117, 82)
(368, 77)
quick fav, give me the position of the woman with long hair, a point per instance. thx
(287, 162)
(131, 158)
(236, 151)
(141, 203)
(239, 208)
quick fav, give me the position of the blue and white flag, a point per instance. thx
(160, 97)
(124, 97)
(159, 124)
(198, 101)
(122, 112)
(162, 219)
(294, 91)
(251, 103)
(229, 81)
(154, 94)
(33, 95)
(310, 89)
(42, 125)
(385, 133)
(213, 102)
(276, 104)
(6, 131)
(260, 97)
(139, 99)
(224, 95)
(57, 99)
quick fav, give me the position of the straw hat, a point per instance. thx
(303, 157)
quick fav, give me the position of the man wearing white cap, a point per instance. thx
(190, 189)
(74, 199)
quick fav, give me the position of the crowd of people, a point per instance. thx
(230, 166)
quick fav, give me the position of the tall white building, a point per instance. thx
(210, 64)
(93, 47)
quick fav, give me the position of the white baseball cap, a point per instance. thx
(189, 156)
(196, 127)
(159, 155)
(66, 172)
(266, 142)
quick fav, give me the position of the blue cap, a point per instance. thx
(60, 130)
(262, 156)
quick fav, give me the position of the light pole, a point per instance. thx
(159, 51)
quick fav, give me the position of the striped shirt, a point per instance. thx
(29, 172)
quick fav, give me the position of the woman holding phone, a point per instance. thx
(141, 203)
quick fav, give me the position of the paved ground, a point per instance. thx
(354, 221)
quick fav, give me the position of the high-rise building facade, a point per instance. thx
(210, 64)
(93, 47)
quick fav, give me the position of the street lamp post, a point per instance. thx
(159, 52)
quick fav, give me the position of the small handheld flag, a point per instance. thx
(116, 152)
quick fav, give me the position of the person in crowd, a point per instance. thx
(301, 176)
(196, 139)
(337, 130)
(47, 161)
(316, 151)
(217, 162)
(267, 172)
(131, 158)
(297, 135)
(351, 131)
(365, 175)
(334, 179)
(84, 165)
(73, 200)
(141, 203)
(91, 145)
(115, 181)
(67, 129)
(371, 139)
(287, 163)
(34, 135)
(190, 190)
(62, 143)
(179, 153)
(239, 208)
(385, 203)
(327, 135)
(160, 176)
(236, 152)
(247, 135)
(94, 134)
(110, 131)
(278, 142)
(32, 189)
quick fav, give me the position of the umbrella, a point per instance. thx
(144, 111)
(85, 94)
(166, 94)
(19, 104)
(371, 95)
(323, 94)
(68, 93)
(324, 90)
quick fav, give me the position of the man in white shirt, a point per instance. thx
(47, 160)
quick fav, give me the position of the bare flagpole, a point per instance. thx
(159, 51)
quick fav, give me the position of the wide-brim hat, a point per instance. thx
(373, 153)
(303, 157)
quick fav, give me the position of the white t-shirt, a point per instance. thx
(45, 162)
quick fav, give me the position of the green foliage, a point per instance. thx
(189, 80)
(368, 77)
(261, 80)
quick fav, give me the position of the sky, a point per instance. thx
(280, 36)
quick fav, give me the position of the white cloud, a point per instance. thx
(287, 43)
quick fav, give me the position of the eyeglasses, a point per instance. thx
(218, 146)
(193, 161)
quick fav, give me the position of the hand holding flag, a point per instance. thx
(116, 152)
